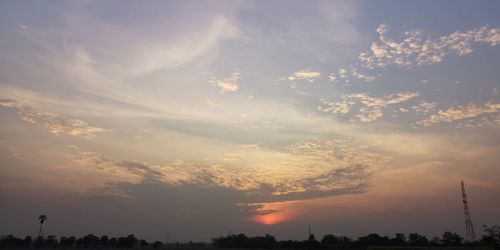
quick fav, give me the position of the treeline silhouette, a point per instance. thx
(88, 241)
(329, 241)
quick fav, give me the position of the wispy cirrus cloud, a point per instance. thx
(371, 107)
(142, 54)
(415, 49)
(187, 50)
(57, 124)
(457, 113)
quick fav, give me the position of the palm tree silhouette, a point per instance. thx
(42, 219)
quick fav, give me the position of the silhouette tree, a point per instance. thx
(67, 242)
(42, 218)
(112, 242)
(104, 241)
(311, 238)
(241, 241)
(79, 242)
(492, 236)
(143, 243)
(399, 240)
(39, 241)
(332, 241)
(451, 239)
(311, 242)
(266, 242)
(131, 240)
(128, 241)
(27, 241)
(51, 241)
(90, 240)
(9, 241)
(415, 239)
(373, 240)
(329, 239)
(157, 244)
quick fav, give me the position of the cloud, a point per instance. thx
(345, 178)
(332, 77)
(174, 173)
(342, 107)
(303, 93)
(306, 74)
(310, 169)
(461, 113)
(491, 120)
(251, 146)
(415, 49)
(359, 76)
(57, 124)
(147, 50)
(342, 73)
(325, 168)
(425, 107)
(347, 76)
(186, 49)
(371, 107)
(228, 84)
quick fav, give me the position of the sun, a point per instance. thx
(270, 219)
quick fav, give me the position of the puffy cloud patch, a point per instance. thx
(425, 107)
(342, 73)
(415, 49)
(371, 107)
(228, 84)
(332, 77)
(461, 113)
(346, 76)
(306, 74)
(355, 73)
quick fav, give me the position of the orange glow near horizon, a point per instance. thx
(272, 218)
(275, 212)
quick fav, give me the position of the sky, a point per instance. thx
(196, 119)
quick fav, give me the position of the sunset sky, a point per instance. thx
(199, 118)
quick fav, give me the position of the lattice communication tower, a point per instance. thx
(469, 228)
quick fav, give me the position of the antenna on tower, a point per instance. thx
(469, 228)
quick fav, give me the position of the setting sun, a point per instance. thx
(271, 219)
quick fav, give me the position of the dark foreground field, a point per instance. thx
(426, 248)
(213, 248)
